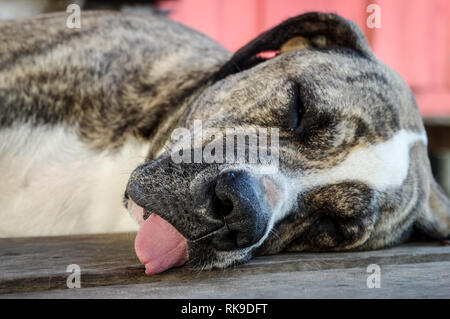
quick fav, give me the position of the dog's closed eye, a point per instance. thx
(296, 109)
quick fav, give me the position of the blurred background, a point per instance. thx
(413, 38)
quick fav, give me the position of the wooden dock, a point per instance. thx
(37, 268)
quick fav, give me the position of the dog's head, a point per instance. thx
(349, 166)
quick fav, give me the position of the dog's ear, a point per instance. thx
(311, 30)
(434, 222)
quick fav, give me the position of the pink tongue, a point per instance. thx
(160, 246)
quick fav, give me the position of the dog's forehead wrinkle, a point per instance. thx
(313, 72)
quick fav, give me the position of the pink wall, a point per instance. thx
(414, 37)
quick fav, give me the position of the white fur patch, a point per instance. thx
(381, 166)
(53, 184)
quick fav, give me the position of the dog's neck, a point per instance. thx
(176, 88)
(170, 110)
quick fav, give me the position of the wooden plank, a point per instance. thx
(40, 264)
(426, 280)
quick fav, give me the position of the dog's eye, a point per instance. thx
(296, 111)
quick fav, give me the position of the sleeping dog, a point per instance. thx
(81, 109)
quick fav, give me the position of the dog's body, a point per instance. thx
(80, 109)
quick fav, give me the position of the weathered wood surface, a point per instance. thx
(36, 268)
(427, 280)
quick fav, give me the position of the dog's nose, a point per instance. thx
(239, 201)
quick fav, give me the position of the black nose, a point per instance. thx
(238, 199)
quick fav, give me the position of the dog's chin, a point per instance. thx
(158, 245)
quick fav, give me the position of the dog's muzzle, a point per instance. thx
(237, 202)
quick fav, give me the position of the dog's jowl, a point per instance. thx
(87, 118)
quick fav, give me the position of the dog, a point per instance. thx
(81, 109)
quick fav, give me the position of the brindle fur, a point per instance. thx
(142, 76)
(102, 78)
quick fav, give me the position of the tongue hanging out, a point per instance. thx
(158, 244)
